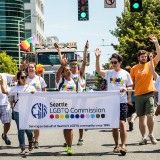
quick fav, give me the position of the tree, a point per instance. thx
(133, 30)
(8, 64)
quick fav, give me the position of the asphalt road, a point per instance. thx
(98, 145)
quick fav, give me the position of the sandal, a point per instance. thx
(123, 151)
(116, 150)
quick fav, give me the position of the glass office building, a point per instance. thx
(11, 11)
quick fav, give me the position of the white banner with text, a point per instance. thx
(69, 110)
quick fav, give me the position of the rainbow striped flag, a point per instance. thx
(26, 44)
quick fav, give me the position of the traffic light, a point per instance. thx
(83, 14)
(136, 5)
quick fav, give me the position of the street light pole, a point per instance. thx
(19, 51)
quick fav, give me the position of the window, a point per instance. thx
(27, 14)
(28, 33)
(51, 58)
(26, 1)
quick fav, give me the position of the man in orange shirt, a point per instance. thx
(144, 99)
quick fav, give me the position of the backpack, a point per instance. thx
(61, 84)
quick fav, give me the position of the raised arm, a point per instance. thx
(152, 67)
(97, 54)
(59, 74)
(62, 58)
(82, 70)
(154, 40)
(3, 88)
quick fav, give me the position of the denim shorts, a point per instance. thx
(5, 114)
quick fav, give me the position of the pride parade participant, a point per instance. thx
(118, 80)
(40, 85)
(22, 86)
(77, 73)
(66, 83)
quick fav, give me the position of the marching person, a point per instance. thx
(22, 86)
(5, 114)
(144, 98)
(118, 80)
(77, 73)
(66, 83)
(40, 85)
(131, 113)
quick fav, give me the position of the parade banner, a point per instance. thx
(69, 110)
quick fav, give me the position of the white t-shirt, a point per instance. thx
(157, 86)
(15, 92)
(78, 78)
(38, 82)
(69, 85)
(7, 78)
(118, 80)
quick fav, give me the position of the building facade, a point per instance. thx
(34, 19)
(30, 16)
(11, 11)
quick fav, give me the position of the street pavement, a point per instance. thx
(98, 145)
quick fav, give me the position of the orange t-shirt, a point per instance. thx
(142, 78)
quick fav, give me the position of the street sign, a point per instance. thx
(109, 3)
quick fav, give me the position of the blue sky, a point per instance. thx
(61, 20)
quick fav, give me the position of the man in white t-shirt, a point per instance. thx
(118, 80)
(5, 114)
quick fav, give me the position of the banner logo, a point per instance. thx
(39, 111)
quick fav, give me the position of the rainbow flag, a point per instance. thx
(26, 44)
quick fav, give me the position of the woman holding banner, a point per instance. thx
(40, 85)
(22, 86)
(66, 83)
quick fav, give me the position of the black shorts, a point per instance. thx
(131, 110)
(123, 111)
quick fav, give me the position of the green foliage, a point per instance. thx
(133, 30)
(8, 64)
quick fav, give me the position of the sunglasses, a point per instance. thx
(23, 77)
(73, 64)
(114, 62)
(67, 70)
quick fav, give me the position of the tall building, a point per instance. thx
(11, 12)
(34, 19)
(30, 16)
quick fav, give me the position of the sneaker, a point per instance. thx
(22, 152)
(69, 151)
(6, 139)
(153, 140)
(143, 142)
(30, 147)
(36, 145)
(80, 142)
(66, 149)
(130, 126)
